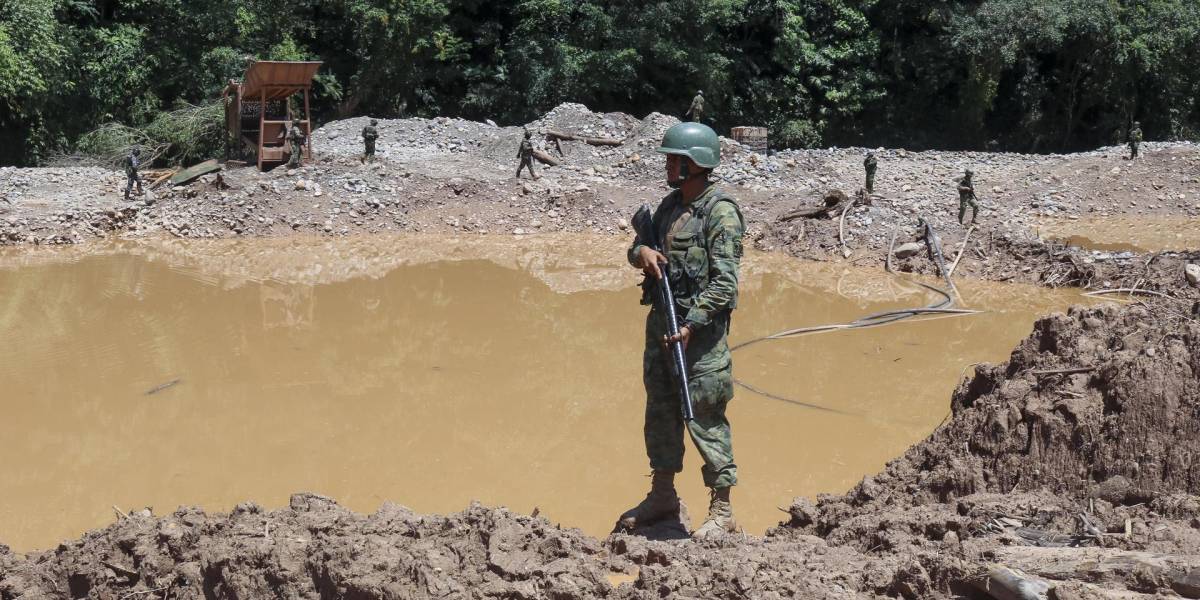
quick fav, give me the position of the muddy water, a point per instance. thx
(1141, 234)
(432, 371)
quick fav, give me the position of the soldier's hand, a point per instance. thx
(648, 261)
(685, 334)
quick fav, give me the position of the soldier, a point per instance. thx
(697, 109)
(525, 153)
(369, 135)
(870, 163)
(1135, 139)
(296, 139)
(701, 228)
(132, 163)
(966, 196)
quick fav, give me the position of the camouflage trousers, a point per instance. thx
(709, 430)
(368, 150)
(1133, 150)
(963, 203)
(294, 159)
(132, 177)
(526, 162)
(870, 182)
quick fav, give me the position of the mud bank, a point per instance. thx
(1074, 462)
(453, 176)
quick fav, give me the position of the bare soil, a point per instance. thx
(449, 175)
(1075, 462)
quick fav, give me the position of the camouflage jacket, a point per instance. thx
(295, 135)
(1135, 135)
(526, 150)
(370, 133)
(703, 261)
(131, 165)
(966, 188)
(697, 105)
(870, 163)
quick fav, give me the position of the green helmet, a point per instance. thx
(695, 141)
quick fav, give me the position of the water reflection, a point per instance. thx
(432, 372)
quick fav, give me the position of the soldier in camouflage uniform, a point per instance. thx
(696, 111)
(296, 139)
(525, 153)
(966, 196)
(701, 228)
(1135, 140)
(132, 162)
(369, 135)
(870, 163)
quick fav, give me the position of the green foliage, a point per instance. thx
(1030, 74)
(185, 135)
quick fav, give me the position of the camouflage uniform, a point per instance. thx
(697, 109)
(704, 249)
(525, 153)
(966, 196)
(1135, 140)
(295, 138)
(131, 173)
(369, 135)
(870, 163)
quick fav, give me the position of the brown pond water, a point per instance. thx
(1116, 234)
(433, 371)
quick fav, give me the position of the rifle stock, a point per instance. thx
(643, 226)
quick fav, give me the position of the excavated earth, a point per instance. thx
(1072, 467)
(450, 175)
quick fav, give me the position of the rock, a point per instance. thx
(1192, 272)
(907, 250)
(1116, 171)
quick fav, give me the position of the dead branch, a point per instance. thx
(966, 239)
(561, 135)
(842, 227)
(1067, 371)
(546, 158)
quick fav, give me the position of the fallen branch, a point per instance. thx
(1106, 566)
(546, 158)
(1067, 371)
(1130, 291)
(810, 212)
(560, 135)
(966, 239)
(842, 228)
(1003, 583)
(887, 263)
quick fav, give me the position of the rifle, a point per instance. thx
(643, 226)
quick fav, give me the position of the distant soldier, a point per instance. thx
(132, 163)
(296, 139)
(1135, 139)
(696, 112)
(369, 135)
(966, 196)
(870, 163)
(525, 153)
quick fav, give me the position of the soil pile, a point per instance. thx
(451, 175)
(1074, 462)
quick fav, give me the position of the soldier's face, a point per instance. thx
(675, 175)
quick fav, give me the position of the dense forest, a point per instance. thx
(1024, 75)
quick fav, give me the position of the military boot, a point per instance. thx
(720, 516)
(661, 503)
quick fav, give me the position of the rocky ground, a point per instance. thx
(1070, 470)
(448, 175)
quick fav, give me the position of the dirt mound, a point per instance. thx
(1072, 463)
(1085, 437)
